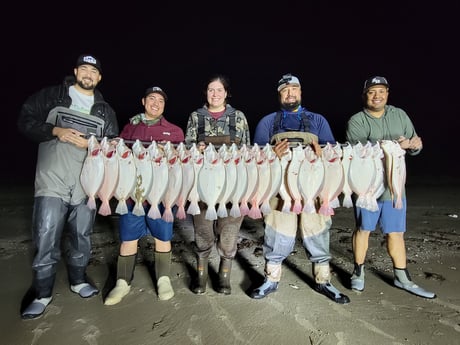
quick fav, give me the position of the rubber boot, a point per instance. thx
(357, 278)
(322, 274)
(43, 289)
(202, 276)
(404, 281)
(272, 277)
(225, 268)
(125, 274)
(162, 271)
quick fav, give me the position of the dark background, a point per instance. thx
(332, 48)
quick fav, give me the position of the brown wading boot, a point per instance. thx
(225, 268)
(202, 276)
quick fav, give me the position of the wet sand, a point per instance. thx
(295, 314)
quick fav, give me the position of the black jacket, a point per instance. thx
(34, 112)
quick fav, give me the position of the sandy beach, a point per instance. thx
(382, 314)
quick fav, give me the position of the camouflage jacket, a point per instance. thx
(232, 126)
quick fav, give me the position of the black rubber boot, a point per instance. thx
(202, 276)
(225, 268)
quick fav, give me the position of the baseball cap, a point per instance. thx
(286, 80)
(155, 89)
(375, 81)
(86, 59)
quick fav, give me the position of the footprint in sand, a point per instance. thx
(39, 330)
(91, 334)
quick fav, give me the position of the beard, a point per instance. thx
(290, 106)
(86, 84)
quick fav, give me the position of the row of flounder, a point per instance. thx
(244, 178)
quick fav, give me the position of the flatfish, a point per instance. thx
(347, 150)
(395, 170)
(362, 172)
(144, 176)
(160, 174)
(193, 196)
(253, 175)
(292, 177)
(230, 180)
(92, 173)
(174, 181)
(378, 186)
(211, 180)
(275, 179)
(242, 181)
(311, 179)
(107, 189)
(188, 178)
(263, 183)
(284, 191)
(126, 176)
(333, 178)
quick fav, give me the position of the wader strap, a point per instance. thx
(276, 123)
(305, 123)
(232, 126)
(201, 132)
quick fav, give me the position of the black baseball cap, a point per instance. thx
(376, 80)
(86, 59)
(155, 89)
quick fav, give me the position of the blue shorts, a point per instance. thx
(389, 219)
(132, 227)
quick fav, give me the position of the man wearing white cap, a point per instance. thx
(292, 125)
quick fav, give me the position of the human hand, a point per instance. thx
(414, 143)
(70, 135)
(317, 148)
(281, 148)
(201, 146)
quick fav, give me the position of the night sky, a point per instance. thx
(331, 48)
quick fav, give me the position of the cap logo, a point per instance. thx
(90, 60)
(378, 80)
(155, 89)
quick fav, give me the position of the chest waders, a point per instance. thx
(226, 229)
(220, 139)
(60, 204)
(281, 230)
(294, 137)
